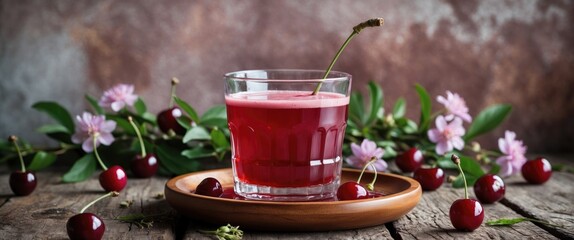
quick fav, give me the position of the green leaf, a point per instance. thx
(470, 180)
(512, 221)
(197, 152)
(41, 160)
(216, 112)
(196, 133)
(487, 120)
(149, 117)
(215, 122)
(53, 128)
(140, 106)
(357, 109)
(82, 169)
(184, 121)
(495, 169)
(376, 99)
(173, 161)
(446, 163)
(400, 108)
(95, 105)
(219, 140)
(57, 112)
(122, 123)
(425, 108)
(470, 166)
(505, 221)
(187, 109)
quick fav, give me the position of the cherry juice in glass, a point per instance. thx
(286, 142)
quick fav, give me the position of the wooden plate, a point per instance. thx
(402, 195)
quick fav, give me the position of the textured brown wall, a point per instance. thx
(517, 52)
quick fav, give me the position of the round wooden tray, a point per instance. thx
(401, 195)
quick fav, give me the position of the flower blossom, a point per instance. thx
(93, 126)
(513, 159)
(447, 135)
(455, 106)
(118, 97)
(365, 153)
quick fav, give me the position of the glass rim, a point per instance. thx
(338, 76)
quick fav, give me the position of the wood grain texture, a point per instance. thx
(552, 201)
(44, 213)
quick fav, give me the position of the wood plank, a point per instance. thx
(376, 232)
(44, 213)
(553, 201)
(430, 220)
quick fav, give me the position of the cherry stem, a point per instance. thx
(375, 22)
(95, 141)
(14, 141)
(456, 160)
(370, 163)
(110, 194)
(174, 81)
(142, 146)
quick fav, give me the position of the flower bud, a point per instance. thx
(455, 159)
(475, 147)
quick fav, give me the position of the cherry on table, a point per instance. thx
(489, 188)
(209, 187)
(22, 182)
(352, 191)
(410, 160)
(465, 214)
(537, 171)
(113, 179)
(429, 178)
(85, 226)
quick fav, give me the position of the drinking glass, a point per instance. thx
(286, 141)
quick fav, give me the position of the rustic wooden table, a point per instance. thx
(43, 214)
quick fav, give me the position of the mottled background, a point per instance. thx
(516, 52)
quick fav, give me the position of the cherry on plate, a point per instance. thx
(209, 187)
(351, 191)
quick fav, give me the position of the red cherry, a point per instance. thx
(113, 179)
(351, 191)
(22, 183)
(229, 193)
(410, 160)
(167, 120)
(209, 187)
(85, 226)
(466, 214)
(144, 167)
(537, 171)
(489, 188)
(429, 178)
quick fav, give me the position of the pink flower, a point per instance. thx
(514, 151)
(118, 97)
(447, 135)
(455, 106)
(93, 126)
(364, 153)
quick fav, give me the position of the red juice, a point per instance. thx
(287, 138)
